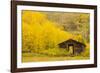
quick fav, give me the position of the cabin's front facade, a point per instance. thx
(72, 45)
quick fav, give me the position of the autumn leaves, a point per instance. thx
(41, 35)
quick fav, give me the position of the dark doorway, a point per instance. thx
(71, 48)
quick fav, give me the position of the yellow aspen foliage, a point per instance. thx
(32, 17)
(39, 33)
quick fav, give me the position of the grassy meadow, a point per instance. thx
(43, 31)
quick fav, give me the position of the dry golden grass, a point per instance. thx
(41, 59)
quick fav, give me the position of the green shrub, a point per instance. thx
(53, 52)
(86, 53)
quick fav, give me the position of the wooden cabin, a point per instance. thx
(73, 46)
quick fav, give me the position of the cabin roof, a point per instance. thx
(71, 40)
